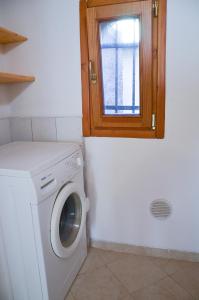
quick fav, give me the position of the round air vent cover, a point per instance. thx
(160, 209)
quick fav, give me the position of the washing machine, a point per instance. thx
(42, 219)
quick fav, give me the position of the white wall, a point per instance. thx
(123, 175)
(5, 136)
(4, 103)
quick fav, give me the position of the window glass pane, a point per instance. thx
(119, 41)
(109, 87)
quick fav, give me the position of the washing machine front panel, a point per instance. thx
(68, 220)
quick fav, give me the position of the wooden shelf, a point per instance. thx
(14, 78)
(7, 37)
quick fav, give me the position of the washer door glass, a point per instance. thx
(70, 220)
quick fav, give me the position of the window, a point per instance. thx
(123, 67)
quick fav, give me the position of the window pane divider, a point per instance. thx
(120, 45)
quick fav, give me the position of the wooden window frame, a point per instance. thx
(158, 77)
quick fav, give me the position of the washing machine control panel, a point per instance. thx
(74, 162)
(49, 181)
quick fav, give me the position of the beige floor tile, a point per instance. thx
(69, 297)
(129, 297)
(98, 258)
(93, 261)
(111, 256)
(192, 267)
(108, 275)
(136, 272)
(169, 266)
(165, 289)
(189, 280)
(98, 285)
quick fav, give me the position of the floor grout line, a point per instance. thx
(131, 254)
(176, 282)
(117, 279)
(150, 285)
(95, 268)
(131, 293)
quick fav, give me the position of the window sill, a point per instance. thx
(147, 134)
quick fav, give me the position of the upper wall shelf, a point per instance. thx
(14, 78)
(8, 37)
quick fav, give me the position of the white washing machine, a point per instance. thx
(42, 219)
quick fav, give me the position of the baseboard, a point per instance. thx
(146, 251)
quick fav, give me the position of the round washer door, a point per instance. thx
(68, 219)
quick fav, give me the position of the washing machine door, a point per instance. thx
(68, 220)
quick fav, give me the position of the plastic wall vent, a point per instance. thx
(160, 209)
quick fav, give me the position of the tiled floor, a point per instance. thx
(108, 275)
